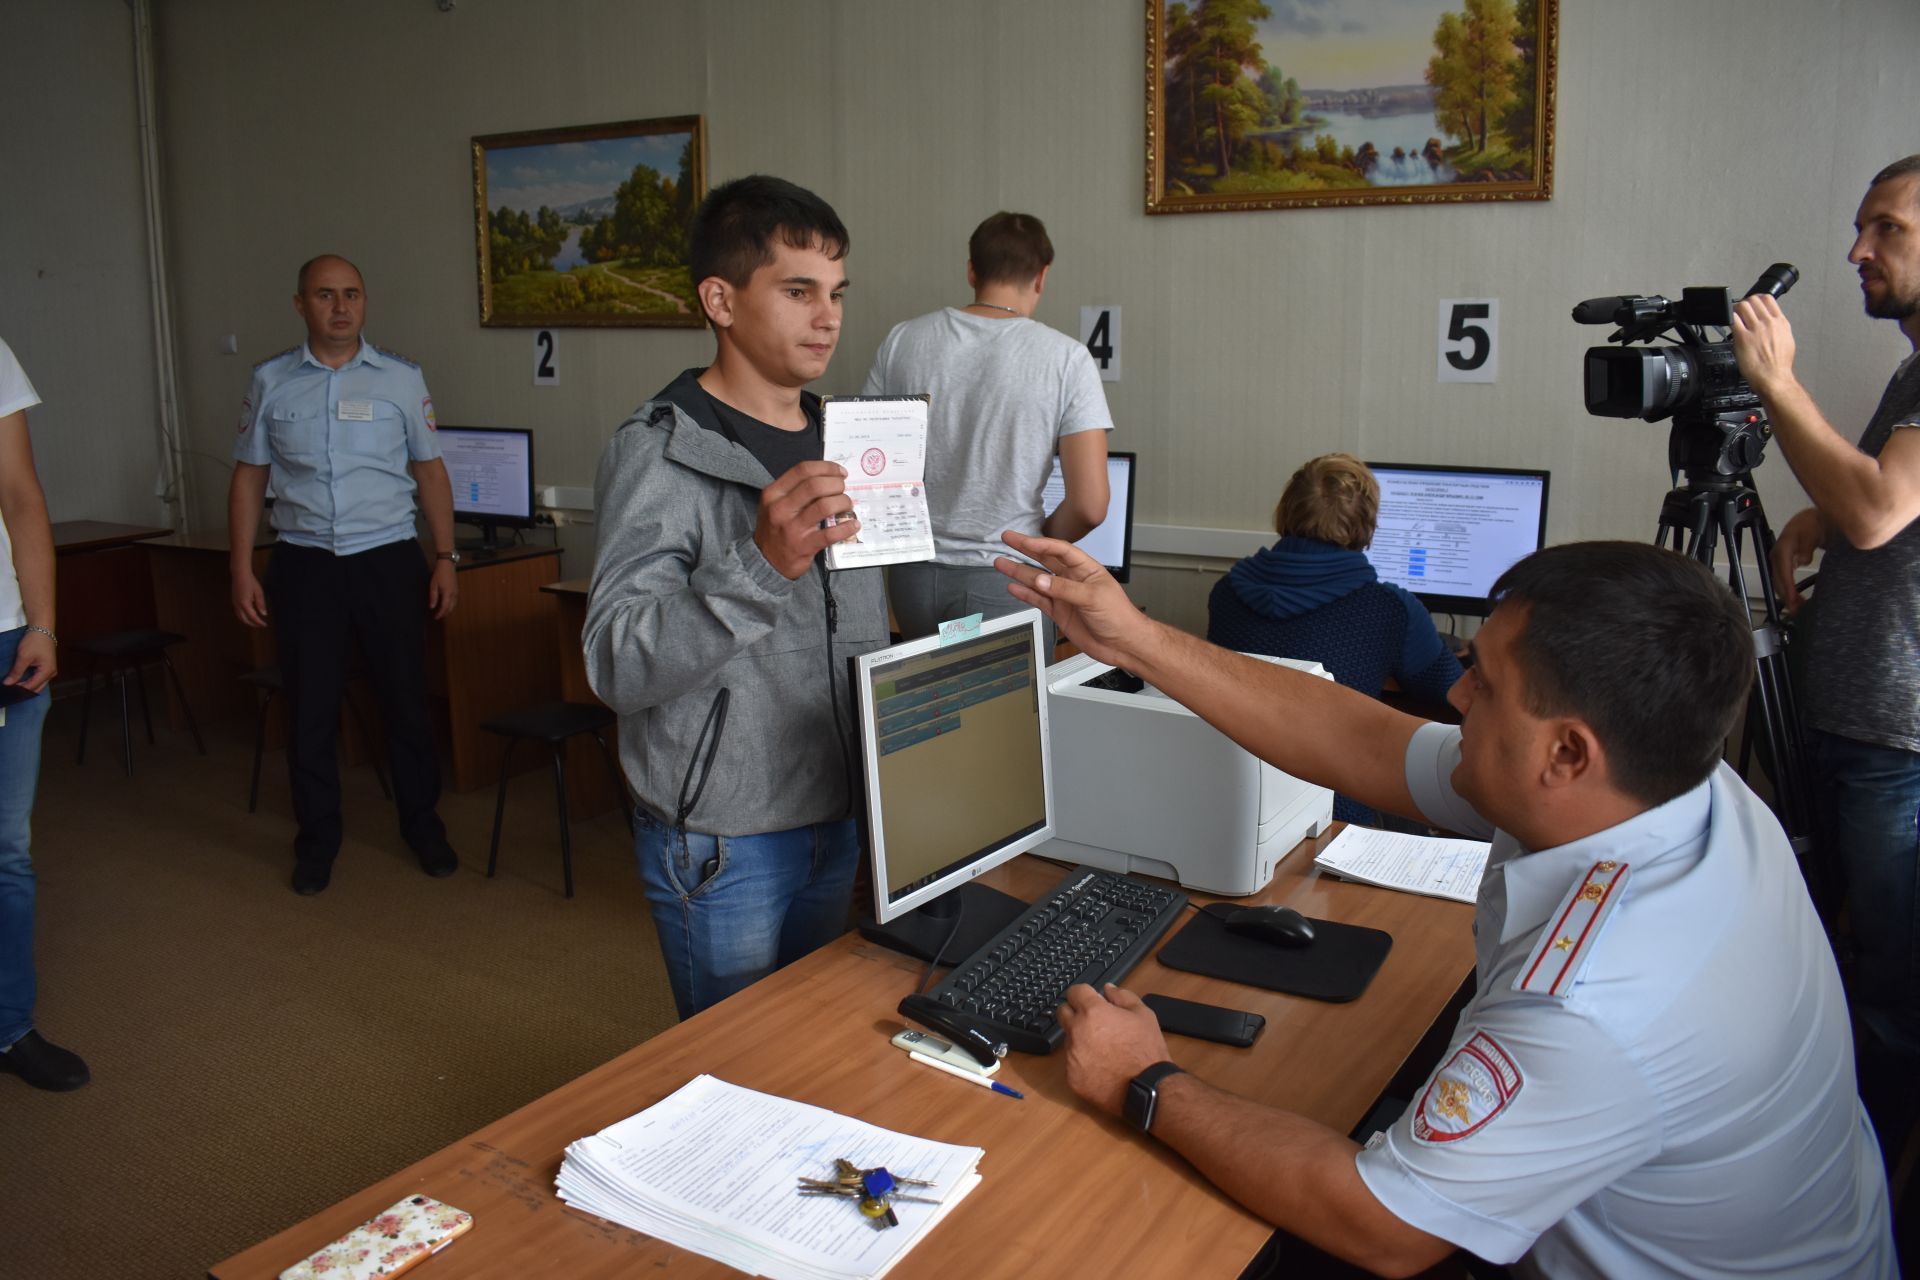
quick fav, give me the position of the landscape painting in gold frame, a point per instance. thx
(1288, 104)
(587, 226)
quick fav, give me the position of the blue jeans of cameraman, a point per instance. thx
(731, 909)
(1867, 820)
(19, 775)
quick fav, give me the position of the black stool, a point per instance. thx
(553, 723)
(270, 680)
(121, 652)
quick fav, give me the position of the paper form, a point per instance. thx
(1438, 867)
(882, 442)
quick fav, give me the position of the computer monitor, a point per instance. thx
(492, 473)
(954, 739)
(1447, 533)
(1112, 542)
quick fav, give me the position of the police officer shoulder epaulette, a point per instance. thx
(1566, 944)
(391, 354)
(278, 355)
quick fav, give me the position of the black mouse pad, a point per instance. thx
(1337, 966)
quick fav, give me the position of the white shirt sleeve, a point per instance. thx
(1534, 1110)
(1083, 398)
(16, 393)
(1432, 754)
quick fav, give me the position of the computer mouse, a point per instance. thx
(1280, 926)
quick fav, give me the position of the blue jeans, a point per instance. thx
(19, 774)
(732, 909)
(1867, 820)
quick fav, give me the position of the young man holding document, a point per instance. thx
(1655, 1075)
(713, 628)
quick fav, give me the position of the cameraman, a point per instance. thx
(1863, 734)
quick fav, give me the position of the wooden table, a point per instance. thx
(100, 577)
(1067, 1192)
(492, 653)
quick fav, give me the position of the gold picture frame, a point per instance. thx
(587, 226)
(1322, 105)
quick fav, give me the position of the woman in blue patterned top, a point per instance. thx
(1313, 595)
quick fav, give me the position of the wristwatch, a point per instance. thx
(1143, 1094)
(450, 556)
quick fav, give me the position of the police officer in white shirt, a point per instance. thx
(345, 431)
(1655, 1075)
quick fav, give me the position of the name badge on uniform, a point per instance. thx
(355, 410)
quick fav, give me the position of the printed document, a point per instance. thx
(1438, 867)
(882, 442)
(715, 1169)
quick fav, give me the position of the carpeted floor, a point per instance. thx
(258, 1055)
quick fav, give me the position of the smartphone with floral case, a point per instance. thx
(386, 1245)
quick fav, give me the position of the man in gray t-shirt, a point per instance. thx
(1007, 393)
(1861, 694)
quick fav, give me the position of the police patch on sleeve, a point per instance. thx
(1473, 1087)
(426, 411)
(246, 415)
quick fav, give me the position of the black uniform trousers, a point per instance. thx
(320, 605)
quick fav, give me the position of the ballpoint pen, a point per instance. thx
(963, 1074)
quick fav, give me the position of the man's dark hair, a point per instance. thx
(736, 225)
(1642, 643)
(300, 282)
(1009, 248)
(1898, 169)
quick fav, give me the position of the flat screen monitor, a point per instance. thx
(954, 740)
(491, 469)
(1112, 542)
(1447, 533)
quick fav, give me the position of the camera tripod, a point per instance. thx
(1696, 515)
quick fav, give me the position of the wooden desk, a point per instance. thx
(1066, 1192)
(492, 653)
(100, 580)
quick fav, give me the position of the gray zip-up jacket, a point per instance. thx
(684, 606)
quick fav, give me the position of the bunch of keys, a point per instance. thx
(875, 1189)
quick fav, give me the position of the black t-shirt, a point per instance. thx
(776, 450)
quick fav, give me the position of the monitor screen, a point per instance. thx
(1447, 533)
(954, 736)
(1112, 542)
(492, 473)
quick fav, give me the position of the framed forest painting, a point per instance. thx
(588, 225)
(1279, 104)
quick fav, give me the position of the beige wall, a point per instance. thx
(74, 299)
(1698, 142)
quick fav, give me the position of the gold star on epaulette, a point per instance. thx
(1592, 893)
(1565, 944)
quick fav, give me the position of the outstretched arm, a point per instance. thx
(1312, 728)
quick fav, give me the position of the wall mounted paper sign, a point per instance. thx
(1100, 330)
(546, 363)
(1469, 340)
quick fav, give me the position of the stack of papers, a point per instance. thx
(715, 1169)
(1416, 864)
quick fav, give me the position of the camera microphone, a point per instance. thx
(1775, 280)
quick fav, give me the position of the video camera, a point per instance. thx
(1719, 428)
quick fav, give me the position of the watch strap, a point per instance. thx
(1143, 1093)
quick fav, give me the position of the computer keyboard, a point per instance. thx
(1093, 927)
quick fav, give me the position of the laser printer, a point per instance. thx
(1142, 784)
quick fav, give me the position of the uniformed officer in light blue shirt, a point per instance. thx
(345, 432)
(1655, 1075)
